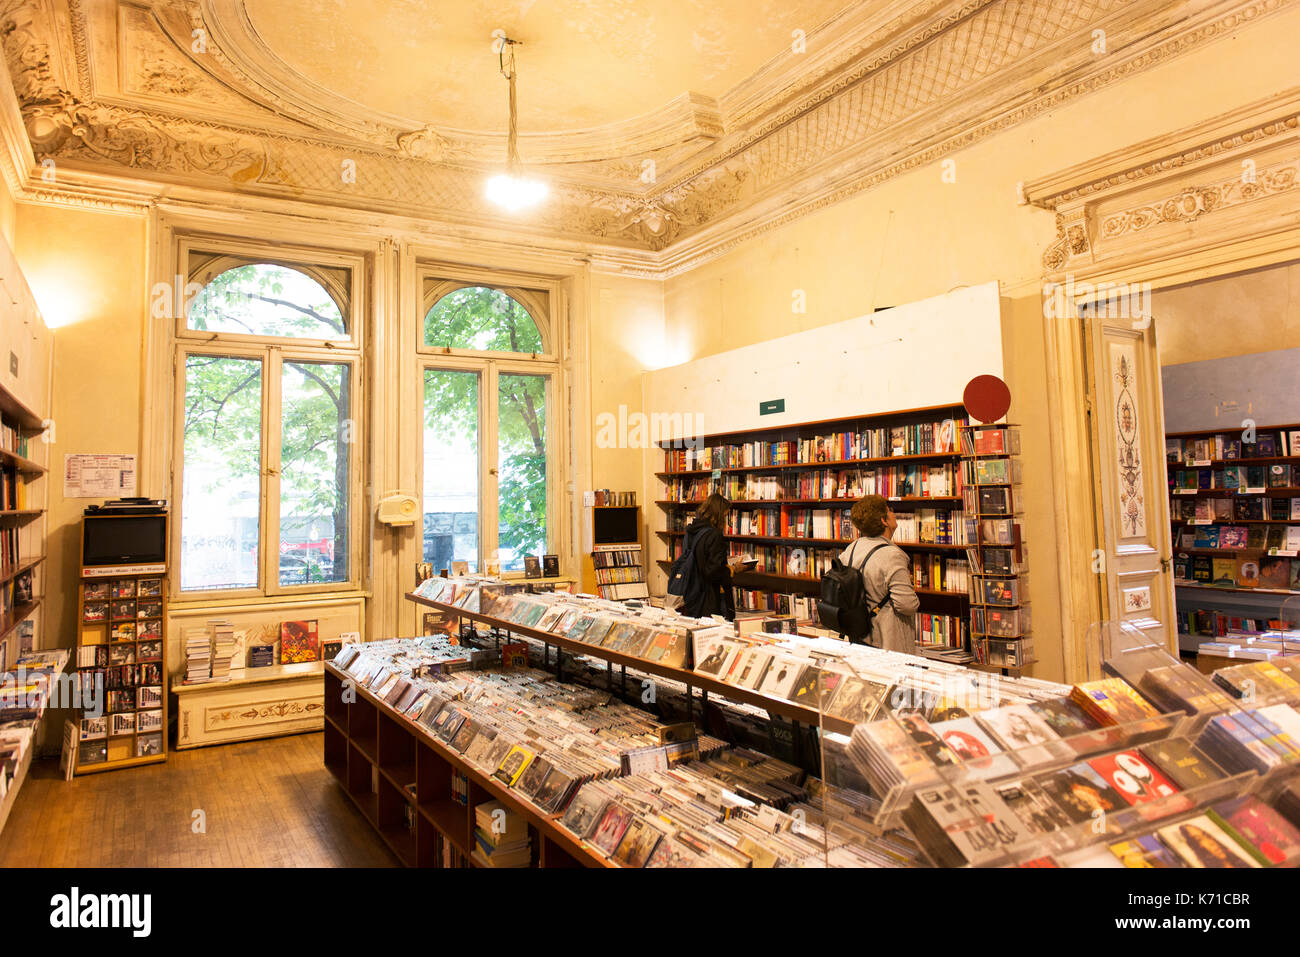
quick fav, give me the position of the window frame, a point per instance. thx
(273, 352)
(489, 365)
(535, 302)
(310, 262)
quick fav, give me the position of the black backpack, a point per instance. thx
(844, 606)
(684, 581)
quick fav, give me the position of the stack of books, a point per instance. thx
(198, 656)
(501, 836)
(223, 648)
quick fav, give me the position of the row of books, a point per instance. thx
(1267, 443)
(1238, 537)
(1244, 508)
(614, 576)
(13, 490)
(9, 545)
(926, 438)
(1243, 479)
(13, 440)
(1242, 572)
(1212, 623)
(936, 573)
(931, 526)
(891, 481)
(16, 593)
(608, 497)
(800, 606)
(941, 631)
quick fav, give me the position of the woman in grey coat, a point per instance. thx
(887, 572)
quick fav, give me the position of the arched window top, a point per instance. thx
(267, 299)
(481, 319)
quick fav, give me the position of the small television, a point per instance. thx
(615, 524)
(117, 541)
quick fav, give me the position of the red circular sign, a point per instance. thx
(986, 398)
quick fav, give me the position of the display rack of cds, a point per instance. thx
(999, 587)
(121, 671)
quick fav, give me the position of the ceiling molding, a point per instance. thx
(890, 92)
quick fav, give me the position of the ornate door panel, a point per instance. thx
(1132, 489)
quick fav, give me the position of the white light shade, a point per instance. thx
(515, 192)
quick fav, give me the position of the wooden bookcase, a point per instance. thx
(400, 777)
(122, 632)
(1205, 470)
(780, 570)
(22, 550)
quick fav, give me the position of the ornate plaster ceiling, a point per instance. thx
(669, 129)
(583, 65)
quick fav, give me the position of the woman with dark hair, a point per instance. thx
(706, 535)
(886, 573)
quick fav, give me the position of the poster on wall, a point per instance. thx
(98, 476)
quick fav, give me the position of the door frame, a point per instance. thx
(1207, 200)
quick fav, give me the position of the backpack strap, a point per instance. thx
(863, 568)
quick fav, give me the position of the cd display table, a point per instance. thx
(254, 703)
(400, 777)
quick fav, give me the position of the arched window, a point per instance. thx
(267, 432)
(267, 299)
(481, 319)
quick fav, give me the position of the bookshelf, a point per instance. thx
(22, 558)
(402, 779)
(792, 487)
(1234, 507)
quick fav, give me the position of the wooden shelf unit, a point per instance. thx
(776, 582)
(399, 777)
(1239, 601)
(23, 554)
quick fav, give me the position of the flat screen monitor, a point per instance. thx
(124, 540)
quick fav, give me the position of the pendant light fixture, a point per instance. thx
(512, 190)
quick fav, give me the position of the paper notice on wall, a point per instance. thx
(98, 476)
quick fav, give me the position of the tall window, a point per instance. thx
(268, 430)
(488, 487)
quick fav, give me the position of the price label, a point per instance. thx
(1252, 491)
(1186, 491)
(1284, 552)
(1200, 463)
(1200, 521)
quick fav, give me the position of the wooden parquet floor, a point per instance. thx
(265, 803)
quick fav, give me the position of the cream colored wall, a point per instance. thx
(86, 270)
(625, 338)
(1251, 312)
(917, 236)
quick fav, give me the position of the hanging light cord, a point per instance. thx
(512, 147)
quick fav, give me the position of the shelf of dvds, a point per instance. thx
(401, 778)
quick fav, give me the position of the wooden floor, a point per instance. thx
(267, 804)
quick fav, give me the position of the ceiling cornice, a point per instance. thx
(914, 83)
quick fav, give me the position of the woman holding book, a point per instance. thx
(886, 573)
(706, 534)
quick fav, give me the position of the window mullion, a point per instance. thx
(490, 512)
(270, 510)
